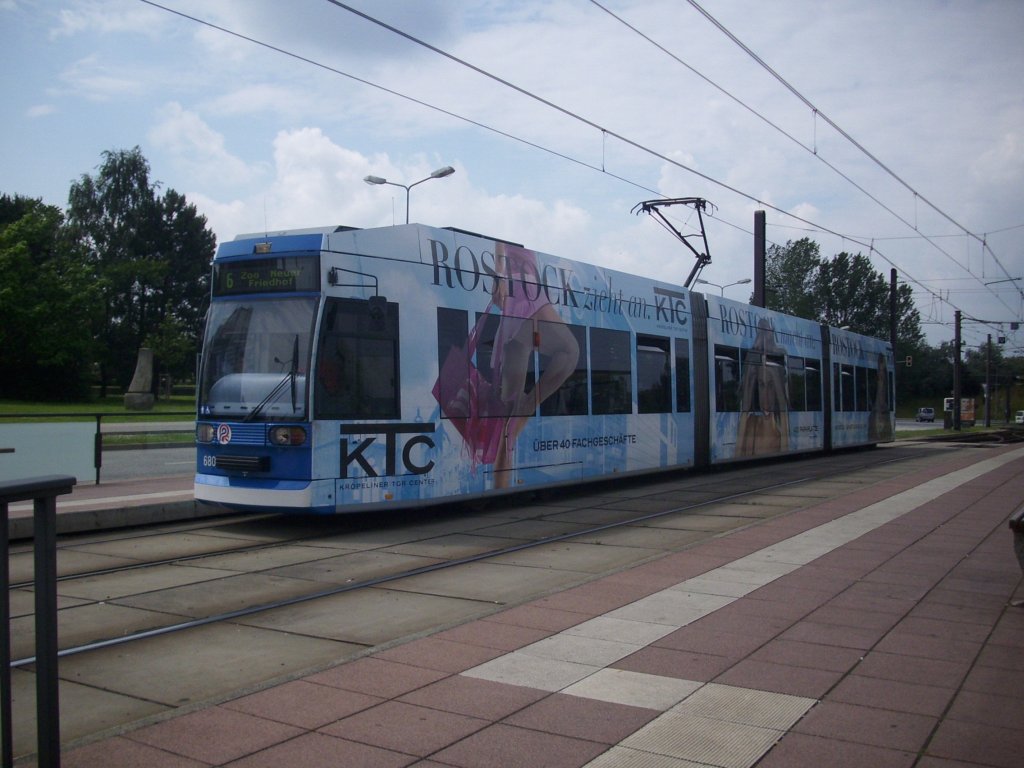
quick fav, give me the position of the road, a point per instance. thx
(151, 462)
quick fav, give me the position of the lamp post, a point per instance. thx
(722, 288)
(440, 173)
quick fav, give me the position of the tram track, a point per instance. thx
(702, 484)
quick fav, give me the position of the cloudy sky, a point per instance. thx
(892, 128)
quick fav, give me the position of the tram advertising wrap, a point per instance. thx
(406, 365)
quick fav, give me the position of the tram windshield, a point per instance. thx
(255, 359)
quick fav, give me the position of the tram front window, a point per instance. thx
(255, 359)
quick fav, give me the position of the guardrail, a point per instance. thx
(43, 491)
(98, 418)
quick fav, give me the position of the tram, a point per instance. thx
(350, 369)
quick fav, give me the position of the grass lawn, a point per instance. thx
(179, 408)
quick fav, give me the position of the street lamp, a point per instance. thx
(722, 288)
(440, 173)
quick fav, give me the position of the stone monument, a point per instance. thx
(139, 396)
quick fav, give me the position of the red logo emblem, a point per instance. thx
(224, 434)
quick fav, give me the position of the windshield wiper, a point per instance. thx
(289, 377)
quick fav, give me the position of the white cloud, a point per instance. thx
(40, 110)
(197, 147)
(261, 97)
(104, 17)
(90, 78)
(929, 87)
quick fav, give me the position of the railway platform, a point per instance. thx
(874, 628)
(116, 504)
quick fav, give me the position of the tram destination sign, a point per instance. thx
(276, 275)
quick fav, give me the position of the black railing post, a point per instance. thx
(97, 447)
(6, 720)
(47, 681)
(43, 491)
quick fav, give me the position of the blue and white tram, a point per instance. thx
(344, 369)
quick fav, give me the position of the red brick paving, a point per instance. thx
(903, 635)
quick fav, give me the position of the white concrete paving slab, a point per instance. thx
(88, 623)
(352, 567)
(368, 616)
(518, 668)
(574, 556)
(162, 546)
(94, 709)
(702, 522)
(581, 650)
(265, 559)
(703, 740)
(712, 585)
(69, 561)
(621, 630)
(754, 567)
(220, 658)
(454, 546)
(645, 537)
(235, 592)
(745, 705)
(110, 586)
(635, 689)
(489, 581)
(671, 607)
(622, 757)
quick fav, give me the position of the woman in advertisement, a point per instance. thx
(764, 399)
(880, 426)
(528, 319)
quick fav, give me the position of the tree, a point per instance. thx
(149, 256)
(844, 292)
(790, 272)
(47, 302)
(847, 292)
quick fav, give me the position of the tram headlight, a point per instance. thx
(205, 433)
(287, 436)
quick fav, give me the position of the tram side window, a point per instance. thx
(863, 377)
(452, 361)
(804, 384)
(727, 379)
(570, 399)
(653, 374)
(682, 375)
(870, 390)
(812, 384)
(610, 371)
(357, 361)
(797, 384)
(843, 387)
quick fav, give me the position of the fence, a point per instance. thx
(43, 491)
(34, 437)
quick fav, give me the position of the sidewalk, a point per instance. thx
(114, 504)
(870, 630)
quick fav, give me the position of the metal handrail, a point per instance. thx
(97, 449)
(43, 491)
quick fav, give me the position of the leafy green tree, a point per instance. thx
(844, 292)
(790, 274)
(930, 377)
(847, 292)
(47, 302)
(150, 256)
